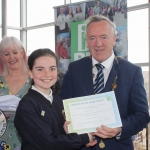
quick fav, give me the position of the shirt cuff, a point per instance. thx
(119, 135)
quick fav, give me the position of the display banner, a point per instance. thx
(70, 29)
(78, 47)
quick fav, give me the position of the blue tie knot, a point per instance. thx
(99, 66)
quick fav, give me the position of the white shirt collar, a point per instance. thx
(107, 63)
(48, 97)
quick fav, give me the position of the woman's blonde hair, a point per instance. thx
(11, 42)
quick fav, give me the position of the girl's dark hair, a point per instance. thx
(71, 11)
(80, 9)
(38, 53)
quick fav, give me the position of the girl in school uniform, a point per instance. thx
(39, 118)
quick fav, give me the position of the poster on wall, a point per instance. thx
(117, 13)
(78, 44)
(70, 28)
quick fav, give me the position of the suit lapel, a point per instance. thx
(113, 73)
(88, 75)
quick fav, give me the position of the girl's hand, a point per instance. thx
(66, 126)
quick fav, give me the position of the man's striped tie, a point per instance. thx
(99, 80)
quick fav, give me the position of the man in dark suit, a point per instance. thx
(119, 75)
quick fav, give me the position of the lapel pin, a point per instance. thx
(42, 113)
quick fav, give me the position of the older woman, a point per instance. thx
(14, 80)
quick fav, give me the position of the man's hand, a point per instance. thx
(105, 132)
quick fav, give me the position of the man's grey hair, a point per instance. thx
(97, 18)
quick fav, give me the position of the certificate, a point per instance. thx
(89, 112)
(9, 103)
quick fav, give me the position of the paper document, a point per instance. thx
(88, 112)
(9, 102)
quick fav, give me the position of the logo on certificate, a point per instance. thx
(3, 123)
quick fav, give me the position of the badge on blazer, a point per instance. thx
(42, 113)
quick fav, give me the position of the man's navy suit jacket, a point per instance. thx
(130, 95)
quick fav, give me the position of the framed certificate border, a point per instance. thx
(108, 97)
